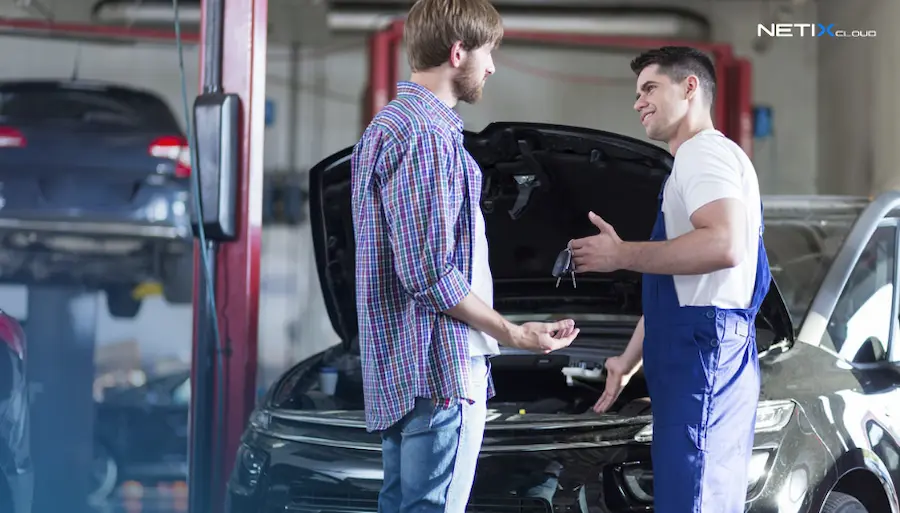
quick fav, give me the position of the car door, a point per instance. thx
(864, 329)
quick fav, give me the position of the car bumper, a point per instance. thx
(274, 473)
(161, 214)
(179, 230)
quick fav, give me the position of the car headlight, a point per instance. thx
(771, 416)
(248, 469)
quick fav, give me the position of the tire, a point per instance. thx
(838, 502)
(104, 475)
(121, 304)
(178, 278)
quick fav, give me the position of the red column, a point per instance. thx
(237, 263)
(742, 86)
(379, 87)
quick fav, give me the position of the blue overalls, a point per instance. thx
(702, 372)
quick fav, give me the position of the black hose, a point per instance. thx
(212, 60)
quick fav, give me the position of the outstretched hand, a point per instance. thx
(617, 376)
(597, 253)
(545, 337)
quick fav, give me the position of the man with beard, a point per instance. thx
(424, 290)
(705, 275)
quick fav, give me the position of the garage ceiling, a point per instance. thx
(307, 21)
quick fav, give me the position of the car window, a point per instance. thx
(861, 327)
(800, 253)
(101, 106)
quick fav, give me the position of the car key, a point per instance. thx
(563, 265)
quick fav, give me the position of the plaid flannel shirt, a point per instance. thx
(415, 191)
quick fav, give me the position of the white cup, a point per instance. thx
(328, 378)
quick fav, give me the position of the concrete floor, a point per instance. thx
(134, 498)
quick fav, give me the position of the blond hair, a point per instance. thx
(433, 26)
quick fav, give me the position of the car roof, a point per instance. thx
(79, 84)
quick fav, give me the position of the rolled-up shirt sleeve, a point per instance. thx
(421, 213)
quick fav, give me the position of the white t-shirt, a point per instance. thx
(481, 344)
(708, 167)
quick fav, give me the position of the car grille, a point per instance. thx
(303, 501)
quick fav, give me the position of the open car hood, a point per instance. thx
(540, 182)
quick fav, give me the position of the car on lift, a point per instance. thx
(828, 421)
(94, 190)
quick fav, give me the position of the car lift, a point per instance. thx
(236, 267)
(60, 328)
(67, 316)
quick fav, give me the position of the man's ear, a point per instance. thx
(691, 87)
(457, 54)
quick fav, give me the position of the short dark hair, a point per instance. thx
(678, 62)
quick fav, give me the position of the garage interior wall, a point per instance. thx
(859, 123)
(826, 132)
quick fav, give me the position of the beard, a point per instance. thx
(466, 85)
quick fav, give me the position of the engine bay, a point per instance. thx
(555, 384)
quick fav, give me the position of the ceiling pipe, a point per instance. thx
(658, 24)
(84, 32)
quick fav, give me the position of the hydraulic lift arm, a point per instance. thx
(233, 45)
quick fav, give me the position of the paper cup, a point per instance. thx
(328, 378)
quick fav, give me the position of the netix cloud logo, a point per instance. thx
(808, 30)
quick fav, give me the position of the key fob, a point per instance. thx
(563, 263)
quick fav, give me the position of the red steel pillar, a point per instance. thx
(741, 104)
(237, 263)
(379, 90)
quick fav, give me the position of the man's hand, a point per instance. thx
(543, 337)
(618, 374)
(598, 253)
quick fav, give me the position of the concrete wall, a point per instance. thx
(589, 87)
(859, 124)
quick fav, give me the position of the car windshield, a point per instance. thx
(86, 105)
(802, 237)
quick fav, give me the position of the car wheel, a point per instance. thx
(104, 475)
(837, 502)
(178, 279)
(121, 303)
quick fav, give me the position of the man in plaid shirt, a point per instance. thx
(424, 287)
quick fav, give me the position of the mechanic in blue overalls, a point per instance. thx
(705, 274)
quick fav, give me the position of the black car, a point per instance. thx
(141, 434)
(94, 190)
(828, 423)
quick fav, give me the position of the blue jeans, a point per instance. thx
(430, 456)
